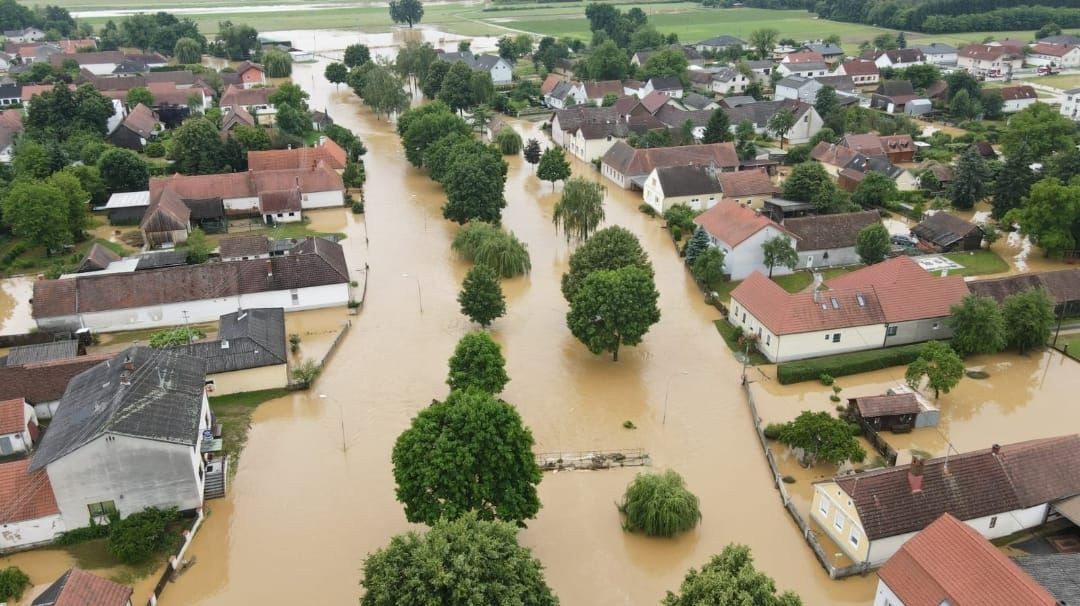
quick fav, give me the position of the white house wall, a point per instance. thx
(614, 176)
(885, 596)
(204, 310)
(917, 331)
(29, 533)
(805, 128)
(502, 73)
(748, 257)
(837, 257)
(1014, 105)
(245, 203)
(322, 199)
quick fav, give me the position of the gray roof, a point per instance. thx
(795, 82)
(666, 83)
(97, 258)
(561, 90)
(825, 49)
(830, 231)
(759, 113)
(759, 63)
(738, 100)
(1058, 573)
(840, 83)
(166, 258)
(934, 48)
(675, 117)
(692, 180)
(42, 352)
(696, 101)
(1061, 39)
(249, 338)
(865, 164)
(943, 229)
(11, 90)
(144, 393)
(723, 41)
(809, 66)
(895, 88)
(475, 62)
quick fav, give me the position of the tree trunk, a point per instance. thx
(770, 271)
(615, 354)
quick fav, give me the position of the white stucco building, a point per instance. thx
(1070, 106)
(741, 232)
(29, 516)
(1053, 55)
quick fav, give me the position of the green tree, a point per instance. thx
(805, 181)
(123, 170)
(613, 308)
(77, 202)
(290, 94)
(660, 505)
(875, 190)
(580, 210)
(964, 107)
(184, 335)
(478, 364)
(610, 248)
(13, 582)
(780, 123)
(970, 180)
(708, 267)
(481, 88)
(414, 61)
(718, 129)
(993, 105)
(1013, 183)
(384, 93)
(237, 41)
(553, 166)
(744, 140)
(763, 41)
(90, 179)
(138, 537)
(188, 51)
(532, 152)
(1047, 30)
(1028, 317)
(962, 80)
(940, 365)
(1039, 127)
(609, 100)
(826, 101)
(698, 244)
(821, 437)
(456, 89)
(292, 121)
(140, 94)
(406, 11)
(336, 74)
(356, 55)
(474, 187)
(508, 141)
(60, 112)
(922, 76)
(423, 126)
(431, 84)
(669, 62)
(778, 250)
(873, 244)
(468, 453)
(977, 325)
(36, 212)
(33, 160)
(488, 245)
(481, 297)
(196, 148)
(488, 567)
(198, 249)
(251, 138)
(607, 62)
(730, 578)
(1050, 216)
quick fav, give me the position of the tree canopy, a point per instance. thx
(822, 437)
(805, 181)
(1050, 216)
(659, 505)
(481, 296)
(406, 11)
(718, 129)
(580, 209)
(977, 325)
(123, 170)
(779, 250)
(970, 181)
(1029, 318)
(424, 125)
(872, 244)
(196, 148)
(730, 578)
(1041, 129)
(875, 190)
(553, 165)
(470, 452)
(939, 364)
(477, 363)
(610, 248)
(613, 308)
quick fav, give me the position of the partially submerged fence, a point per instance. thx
(593, 459)
(176, 561)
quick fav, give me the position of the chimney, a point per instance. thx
(269, 269)
(129, 364)
(996, 449)
(914, 476)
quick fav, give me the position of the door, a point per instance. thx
(809, 261)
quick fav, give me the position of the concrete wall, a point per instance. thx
(205, 310)
(918, 331)
(28, 533)
(836, 257)
(1070, 107)
(248, 203)
(251, 379)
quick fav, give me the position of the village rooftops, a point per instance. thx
(860, 67)
(246, 97)
(98, 57)
(822, 232)
(653, 101)
(907, 291)
(761, 112)
(76, 587)
(732, 223)
(572, 118)
(42, 352)
(1013, 93)
(243, 246)
(1062, 285)
(12, 415)
(313, 262)
(721, 41)
(986, 52)
(141, 121)
(949, 562)
(1058, 573)
(746, 183)
(326, 151)
(973, 485)
(786, 313)
(943, 229)
(250, 338)
(25, 494)
(804, 57)
(637, 162)
(40, 382)
(97, 259)
(688, 180)
(246, 184)
(143, 392)
(934, 48)
(281, 200)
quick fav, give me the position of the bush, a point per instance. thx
(676, 232)
(13, 582)
(826, 379)
(86, 533)
(834, 398)
(304, 374)
(358, 207)
(772, 430)
(659, 505)
(174, 337)
(648, 210)
(847, 364)
(136, 538)
(155, 150)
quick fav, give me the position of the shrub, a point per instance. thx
(508, 141)
(648, 210)
(358, 207)
(294, 343)
(834, 398)
(174, 337)
(676, 232)
(304, 374)
(847, 364)
(488, 245)
(788, 480)
(659, 505)
(155, 149)
(772, 430)
(86, 533)
(136, 538)
(826, 378)
(629, 424)
(13, 582)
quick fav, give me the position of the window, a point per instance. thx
(993, 521)
(295, 297)
(824, 507)
(854, 536)
(891, 331)
(100, 512)
(827, 336)
(5, 446)
(836, 338)
(839, 521)
(744, 316)
(767, 339)
(936, 325)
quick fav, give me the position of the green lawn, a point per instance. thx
(795, 282)
(36, 260)
(234, 413)
(1070, 343)
(1062, 82)
(727, 331)
(977, 263)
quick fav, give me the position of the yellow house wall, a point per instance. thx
(251, 379)
(839, 503)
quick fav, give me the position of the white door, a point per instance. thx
(809, 261)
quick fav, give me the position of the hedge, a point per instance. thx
(847, 364)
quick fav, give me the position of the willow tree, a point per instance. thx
(659, 505)
(580, 210)
(486, 244)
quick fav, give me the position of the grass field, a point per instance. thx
(977, 263)
(1062, 82)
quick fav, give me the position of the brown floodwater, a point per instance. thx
(15, 295)
(304, 508)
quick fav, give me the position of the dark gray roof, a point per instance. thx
(675, 117)
(1058, 573)
(158, 396)
(840, 83)
(97, 258)
(11, 90)
(759, 113)
(738, 100)
(895, 88)
(167, 258)
(42, 352)
(827, 50)
(934, 48)
(865, 164)
(723, 41)
(561, 90)
(795, 82)
(696, 101)
(1061, 39)
(809, 66)
(249, 338)
(666, 83)
(692, 180)
(488, 61)
(943, 229)
(759, 64)
(830, 231)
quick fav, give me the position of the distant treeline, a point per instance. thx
(938, 16)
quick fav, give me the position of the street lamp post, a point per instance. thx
(341, 415)
(667, 390)
(419, 295)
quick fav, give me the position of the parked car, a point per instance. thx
(902, 240)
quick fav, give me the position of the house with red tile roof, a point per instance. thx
(988, 59)
(628, 167)
(950, 563)
(1015, 98)
(76, 587)
(327, 151)
(18, 427)
(29, 514)
(862, 73)
(891, 303)
(996, 491)
(1054, 55)
(740, 232)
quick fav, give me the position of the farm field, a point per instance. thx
(1063, 82)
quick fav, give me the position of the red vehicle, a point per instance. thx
(1048, 70)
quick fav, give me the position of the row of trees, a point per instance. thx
(940, 16)
(55, 21)
(159, 32)
(1022, 321)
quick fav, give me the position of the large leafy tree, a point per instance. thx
(780, 123)
(237, 41)
(708, 267)
(977, 325)
(610, 248)
(481, 297)
(477, 363)
(872, 244)
(821, 437)
(188, 51)
(826, 102)
(778, 250)
(414, 61)
(607, 62)
(278, 64)
(730, 578)
(553, 166)
(62, 112)
(970, 180)
(964, 107)
(764, 40)
(406, 11)
(289, 94)
(468, 453)
(1050, 216)
(77, 202)
(423, 126)
(1029, 317)
(613, 308)
(37, 212)
(1014, 182)
(197, 147)
(699, 243)
(356, 55)
(462, 561)
(140, 94)
(668, 63)
(718, 129)
(876, 189)
(123, 170)
(474, 187)
(532, 152)
(456, 90)
(805, 181)
(580, 209)
(431, 83)
(939, 364)
(384, 93)
(660, 505)
(1041, 128)
(34, 160)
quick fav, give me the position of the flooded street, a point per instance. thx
(15, 295)
(305, 506)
